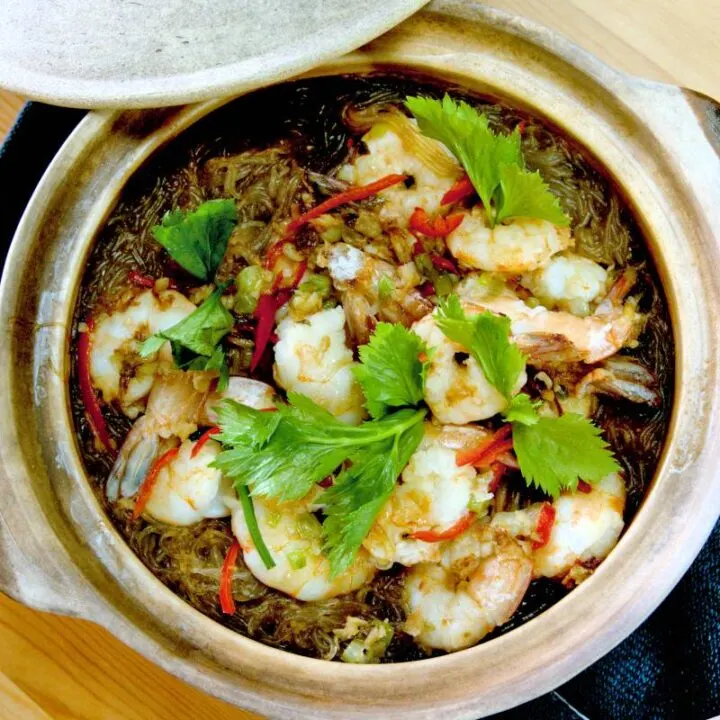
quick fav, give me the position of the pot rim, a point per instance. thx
(637, 606)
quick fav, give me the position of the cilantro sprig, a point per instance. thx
(195, 340)
(197, 240)
(493, 162)
(285, 454)
(553, 452)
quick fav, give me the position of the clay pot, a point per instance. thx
(58, 550)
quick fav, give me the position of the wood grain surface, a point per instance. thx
(65, 669)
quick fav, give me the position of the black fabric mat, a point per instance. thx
(669, 668)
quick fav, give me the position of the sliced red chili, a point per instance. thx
(443, 263)
(498, 473)
(439, 226)
(96, 419)
(227, 601)
(141, 280)
(268, 305)
(448, 534)
(137, 278)
(352, 195)
(327, 482)
(584, 487)
(461, 190)
(489, 449)
(202, 440)
(148, 484)
(418, 247)
(427, 289)
(544, 526)
(265, 313)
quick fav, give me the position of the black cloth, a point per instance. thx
(669, 668)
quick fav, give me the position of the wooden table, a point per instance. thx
(54, 667)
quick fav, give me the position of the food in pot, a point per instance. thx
(371, 369)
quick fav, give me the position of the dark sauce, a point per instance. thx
(307, 117)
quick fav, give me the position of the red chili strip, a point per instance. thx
(498, 473)
(137, 278)
(96, 419)
(452, 532)
(149, 482)
(267, 306)
(443, 263)
(545, 522)
(439, 226)
(488, 451)
(351, 195)
(427, 289)
(265, 313)
(461, 190)
(418, 247)
(227, 601)
(202, 440)
(584, 487)
(141, 280)
(327, 482)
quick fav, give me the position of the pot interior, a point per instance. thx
(307, 121)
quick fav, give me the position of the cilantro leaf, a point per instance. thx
(487, 338)
(197, 240)
(493, 162)
(522, 409)
(243, 425)
(555, 452)
(391, 373)
(524, 194)
(359, 493)
(195, 339)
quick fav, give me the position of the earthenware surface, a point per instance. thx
(148, 53)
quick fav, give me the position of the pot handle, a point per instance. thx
(38, 573)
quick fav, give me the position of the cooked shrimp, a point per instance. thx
(586, 528)
(568, 282)
(555, 335)
(357, 276)
(479, 583)
(387, 154)
(246, 391)
(188, 489)
(623, 378)
(116, 368)
(294, 538)
(311, 357)
(520, 246)
(456, 388)
(178, 403)
(435, 495)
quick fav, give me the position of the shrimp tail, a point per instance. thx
(622, 378)
(132, 464)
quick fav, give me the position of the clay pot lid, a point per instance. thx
(148, 53)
